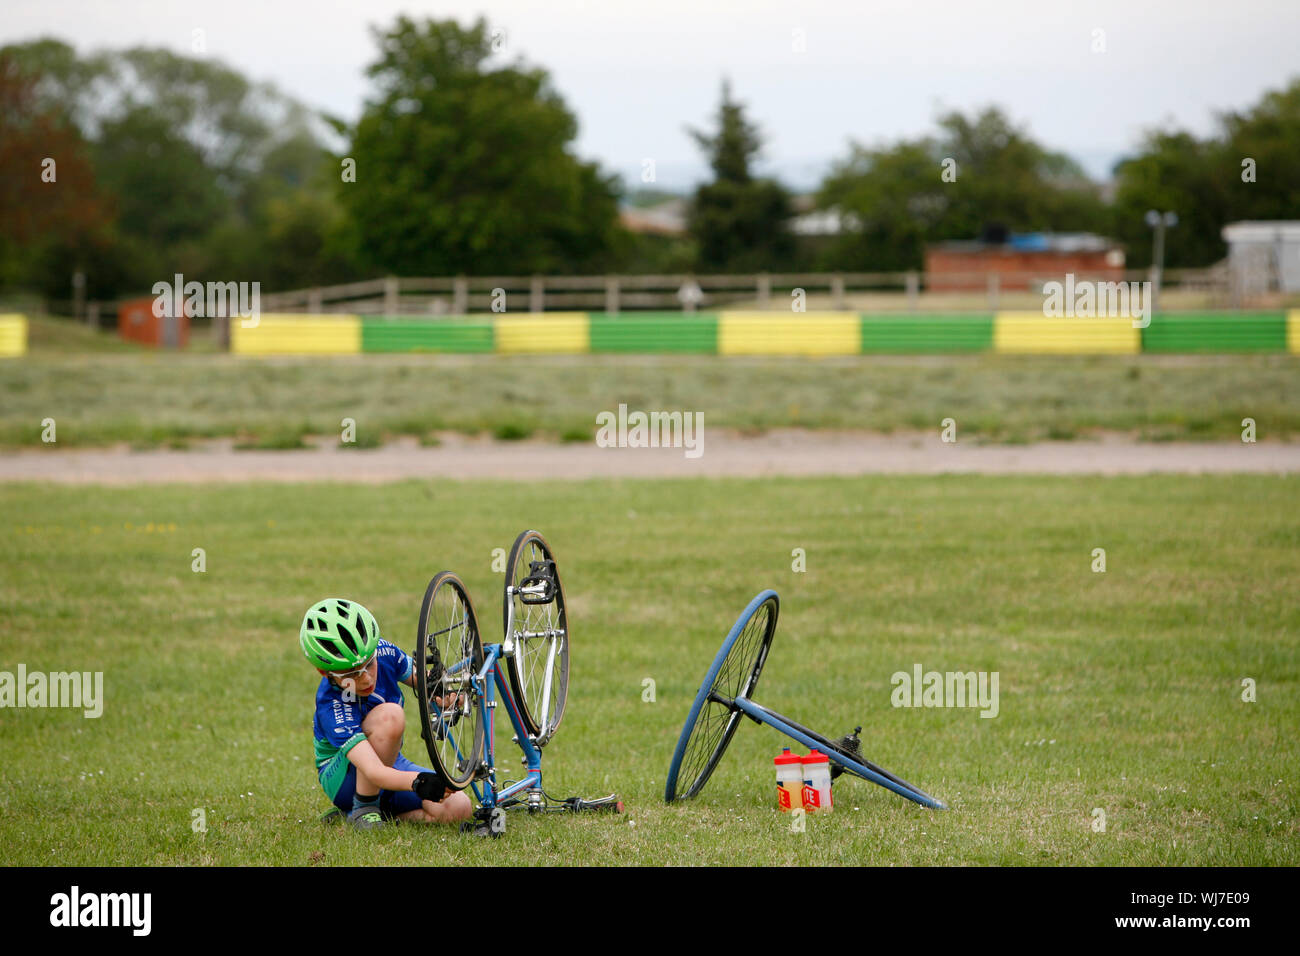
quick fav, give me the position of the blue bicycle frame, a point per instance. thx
(488, 685)
(488, 692)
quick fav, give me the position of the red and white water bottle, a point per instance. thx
(817, 783)
(789, 781)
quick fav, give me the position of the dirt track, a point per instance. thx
(724, 454)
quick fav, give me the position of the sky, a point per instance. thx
(1084, 79)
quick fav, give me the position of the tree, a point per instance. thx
(1205, 183)
(466, 168)
(975, 171)
(1269, 134)
(1176, 172)
(194, 164)
(738, 222)
(892, 201)
(1003, 176)
(53, 212)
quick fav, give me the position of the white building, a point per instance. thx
(1263, 257)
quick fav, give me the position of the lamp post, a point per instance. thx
(1159, 221)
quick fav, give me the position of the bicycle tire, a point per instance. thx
(459, 656)
(699, 750)
(526, 683)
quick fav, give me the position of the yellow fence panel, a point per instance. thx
(568, 332)
(796, 333)
(297, 335)
(1033, 332)
(13, 335)
(1293, 331)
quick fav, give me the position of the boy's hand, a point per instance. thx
(430, 786)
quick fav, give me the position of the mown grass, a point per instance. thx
(159, 399)
(1119, 690)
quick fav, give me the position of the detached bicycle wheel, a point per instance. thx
(713, 717)
(448, 656)
(537, 630)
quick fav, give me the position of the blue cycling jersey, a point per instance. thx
(337, 724)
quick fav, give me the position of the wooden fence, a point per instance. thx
(612, 294)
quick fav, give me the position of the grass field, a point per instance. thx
(151, 400)
(1119, 691)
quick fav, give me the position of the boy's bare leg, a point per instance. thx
(454, 806)
(384, 727)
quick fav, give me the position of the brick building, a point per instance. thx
(1023, 262)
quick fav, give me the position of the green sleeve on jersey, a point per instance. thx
(325, 750)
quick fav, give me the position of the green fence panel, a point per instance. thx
(387, 334)
(654, 332)
(927, 333)
(1216, 332)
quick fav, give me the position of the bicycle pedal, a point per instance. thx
(490, 824)
(541, 574)
(610, 804)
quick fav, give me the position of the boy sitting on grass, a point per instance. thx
(359, 723)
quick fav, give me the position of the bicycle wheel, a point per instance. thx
(448, 656)
(713, 718)
(536, 635)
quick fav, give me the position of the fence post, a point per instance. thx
(92, 315)
(537, 294)
(391, 290)
(994, 286)
(460, 296)
(78, 295)
(764, 291)
(611, 294)
(837, 290)
(913, 290)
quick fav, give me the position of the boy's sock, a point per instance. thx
(359, 801)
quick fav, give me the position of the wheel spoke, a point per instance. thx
(715, 721)
(451, 655)
(532, 654)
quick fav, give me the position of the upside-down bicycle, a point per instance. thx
(459, 682)
(726, 695)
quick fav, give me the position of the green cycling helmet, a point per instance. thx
(338, 635)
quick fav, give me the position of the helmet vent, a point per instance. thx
(329, 645)
(347, 638)
(311, 625)
(320, 623)
(361, 628)
(343, 604)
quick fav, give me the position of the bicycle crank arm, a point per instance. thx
(610, 804)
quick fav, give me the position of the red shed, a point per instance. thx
(1023, 262)
(136, 322)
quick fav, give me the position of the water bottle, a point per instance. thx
(789, 781)
(817, 783)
